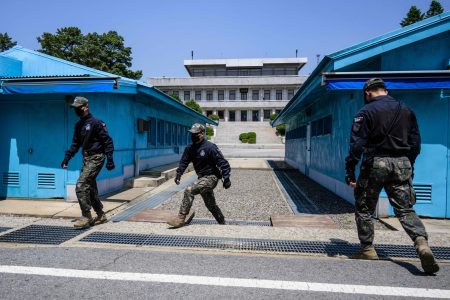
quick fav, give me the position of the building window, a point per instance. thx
(209, 95)
(151, 135)
(168, 133)
(290, 94)
(279, 94)
(231, 115)
(174, 134)
(243, 94)
(277, 111)
(255, 94)
(232, 95)
(160, 133)
(266, 95)
(176, 93)
(209, 113)
(322, 126)
(267, 114)
(187, 95)
(220, 95)
(243, 116)
(221, 114)
(198, 95)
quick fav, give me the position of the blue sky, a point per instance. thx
(163, 33)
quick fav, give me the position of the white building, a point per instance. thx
(237, 89)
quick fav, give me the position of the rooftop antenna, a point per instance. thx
(192, 54)
(296, 52)
(318, 58)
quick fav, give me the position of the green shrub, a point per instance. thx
(243, 136)
(252, 140)
(281, 129)
(251, 135)
(272, 117)
(209, 131)
(214, 117)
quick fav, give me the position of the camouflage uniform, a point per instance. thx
(203, 186)
(86, 188)
(394, 175)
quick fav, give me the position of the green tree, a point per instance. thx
(105, 52)
(435, 9)
(175, 96)
(6, 42)
(414, 15)
(193, 105)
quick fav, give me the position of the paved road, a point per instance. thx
(67, 273)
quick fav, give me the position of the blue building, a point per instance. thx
(415, 62)
(148, 127)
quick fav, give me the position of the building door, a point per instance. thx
(231, 115)
(308, 149)
(255, 115)
(243, 115)
(35, 141)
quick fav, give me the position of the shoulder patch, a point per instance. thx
(358, 120)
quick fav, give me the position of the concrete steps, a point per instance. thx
(228, 132)
(156, 176)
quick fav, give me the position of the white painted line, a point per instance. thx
(233, 282)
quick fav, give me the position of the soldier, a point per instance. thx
(92, 135)
(210, 166)
(386, 131)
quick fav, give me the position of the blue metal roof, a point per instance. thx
(381, 44)
(60, 76)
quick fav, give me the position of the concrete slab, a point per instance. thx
(318, 221)
(75, 212)
(40, 208)
(243, 163)
(129, 195)
(431, 225)
(155, 215)
(48, 208)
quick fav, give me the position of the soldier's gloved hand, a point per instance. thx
(110, 165)
(177, 180)
(64, 164)
(226, 183)
(350, 177)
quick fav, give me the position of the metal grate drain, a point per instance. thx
(230, 222)
(283, 246)
(298, 201)
(41, 234)
(4, 229)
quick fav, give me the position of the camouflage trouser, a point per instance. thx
(86, 187)
(394, 175)
(203, 186)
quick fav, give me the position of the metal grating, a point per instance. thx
(423, 192)
(230, 222)
(153, 200)
(41, 234)
(46, 181)
(11, 179)
(298, 202)
(4, 229)
(283, 246)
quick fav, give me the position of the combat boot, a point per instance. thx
(366, 252)
(180, 220)
(100, 219)
(85, 222)
(429, 264)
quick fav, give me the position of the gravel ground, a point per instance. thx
(342, 212)
(253, 195)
